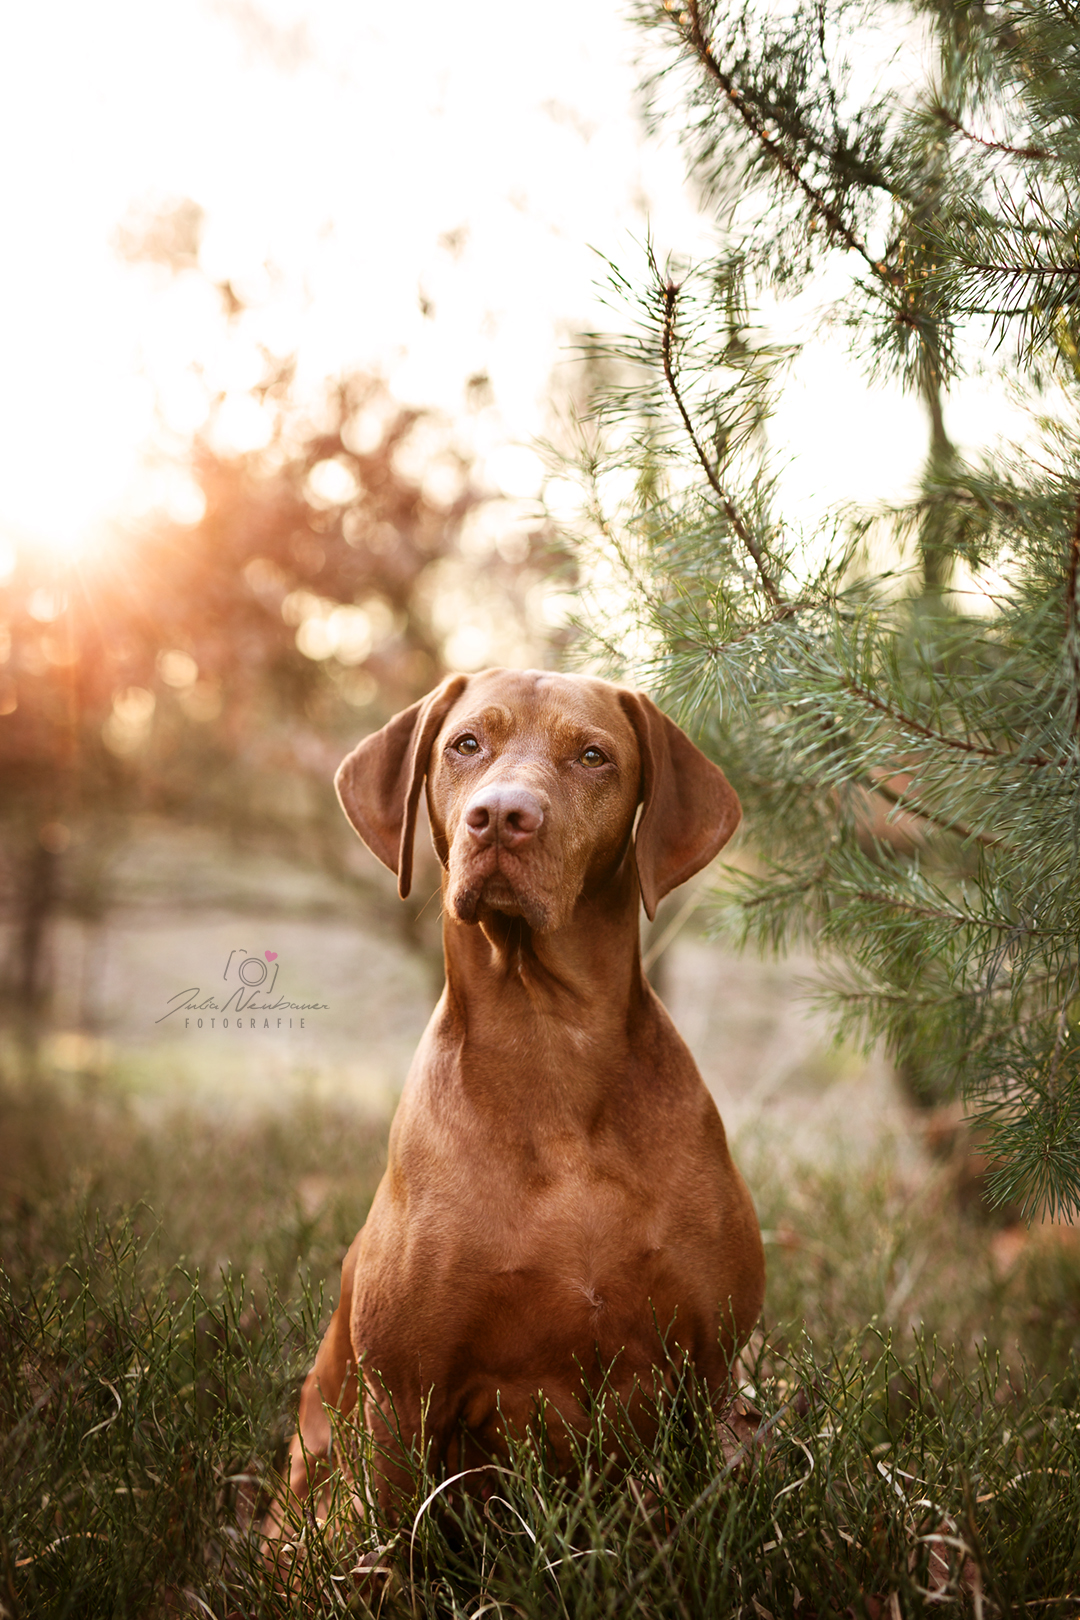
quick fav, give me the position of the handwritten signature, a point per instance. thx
(238, 1002)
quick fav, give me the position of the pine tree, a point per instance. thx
(910, 771)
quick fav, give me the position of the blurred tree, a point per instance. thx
(910, 771)
(215, 669)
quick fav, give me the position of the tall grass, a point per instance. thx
(162, 1296)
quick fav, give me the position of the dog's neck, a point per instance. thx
(559, 997)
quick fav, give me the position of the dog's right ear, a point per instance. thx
(379, 782)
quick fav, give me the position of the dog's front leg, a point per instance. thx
(332, 1382)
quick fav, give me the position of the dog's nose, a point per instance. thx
(508, 816)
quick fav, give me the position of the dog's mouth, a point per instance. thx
(499, 893)
(491, 888)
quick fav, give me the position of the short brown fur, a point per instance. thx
(559, 1189)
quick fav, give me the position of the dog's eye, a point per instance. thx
(467, 745)
(593, 757)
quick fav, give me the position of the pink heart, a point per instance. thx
(271, 956)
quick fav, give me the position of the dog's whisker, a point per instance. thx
(436, 894)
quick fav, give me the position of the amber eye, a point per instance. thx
(593, 757)
(467, 745)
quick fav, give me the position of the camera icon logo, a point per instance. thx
(252, 972)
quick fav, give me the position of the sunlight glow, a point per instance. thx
(458, 266)
(128, 726)
(425, 264)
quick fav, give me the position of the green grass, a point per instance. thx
(163, 1291)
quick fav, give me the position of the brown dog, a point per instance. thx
(559, 1194)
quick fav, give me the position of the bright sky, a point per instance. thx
(354, 160)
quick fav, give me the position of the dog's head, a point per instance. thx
(533, 782)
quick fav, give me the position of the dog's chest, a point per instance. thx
(574, 1294)
(570, 1246)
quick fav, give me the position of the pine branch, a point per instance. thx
(1036, 153)
(871, 897)
(1072, 634)
(932, 735)
(1059, 1042)
(961, 996)
(960, 959)
(713, 648)
(906, 801)
(789, 890)
(731, 512)
(957, 918)
(1019, 272)
(693, 35)
(830, 89)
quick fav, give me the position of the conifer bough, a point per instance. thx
(906, 740)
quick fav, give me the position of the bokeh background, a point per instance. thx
(295, 303)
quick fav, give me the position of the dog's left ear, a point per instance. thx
(689, 808)
(379, 783)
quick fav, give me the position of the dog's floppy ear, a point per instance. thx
(689, 808)
(379, 782)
